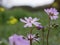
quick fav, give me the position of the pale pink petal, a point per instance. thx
(36, 23)
(51, 17)
(32, 36)
(23, 21)
(36, 39)
(30, 18)
(11, 41)
(55, 17)
(35, 19)
(26, 25)
(29, 24)
(26, 19)
(47, 11)
(56, 13)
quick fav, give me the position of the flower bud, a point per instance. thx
(40, 27)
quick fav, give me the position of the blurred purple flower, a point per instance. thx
(52, 12)
(40, 27)
(29, 21)
(18, 40)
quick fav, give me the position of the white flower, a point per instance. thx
(33, 37)
(29, 21)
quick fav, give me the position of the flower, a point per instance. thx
(2, 9)
(52, 12)
(12, 20)
(33, 37)
(18, 40)
(40, 27)
(29, 21)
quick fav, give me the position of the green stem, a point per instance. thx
(3, 17)
(48, 37)
(42, 36)
(48, 32)
(30, 36)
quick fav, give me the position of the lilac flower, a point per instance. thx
(18, 40)
(52, 12)
(40, 27)
(33, 37)
(29, 21)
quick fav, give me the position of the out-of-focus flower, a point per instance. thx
(18, 40)
(40, 27)
(29, 21)
(52, 12)
(33, 37)
(2, 9)
(12, 20)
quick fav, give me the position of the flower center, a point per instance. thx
(30, 20)
(51, 14)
